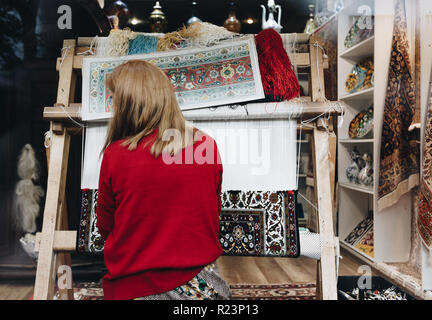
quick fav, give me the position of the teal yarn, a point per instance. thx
(143, 44)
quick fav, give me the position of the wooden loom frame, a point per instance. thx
(55, 242)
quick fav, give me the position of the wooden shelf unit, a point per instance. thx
(392, 226)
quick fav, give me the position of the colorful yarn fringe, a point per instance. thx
(143, 44)
(278, 78)
(116, 44)
(197, 34)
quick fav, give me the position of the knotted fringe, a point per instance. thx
(278, 78)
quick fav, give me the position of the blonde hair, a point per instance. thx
(144, 100)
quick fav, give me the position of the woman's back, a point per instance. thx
(166, 216)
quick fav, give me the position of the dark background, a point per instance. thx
(30, 42)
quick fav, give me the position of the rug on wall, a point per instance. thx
(287, 291)
(202, 77)
(252, 223)
(399, 157)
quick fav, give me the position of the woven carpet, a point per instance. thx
(253, 223)
(286, 291)
(201, 77)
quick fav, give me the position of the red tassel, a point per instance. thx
(277, 76)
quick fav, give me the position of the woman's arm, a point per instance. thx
(105, 203)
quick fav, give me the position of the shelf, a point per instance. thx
(366, 94)
(356, 187)
(360, 51)
(356, 141)
(359, 254)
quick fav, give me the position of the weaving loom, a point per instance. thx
(53, 242)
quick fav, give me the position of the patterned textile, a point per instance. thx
(424, 221)
(202, 77)
(266, 219)
(89, 239)
(281, 232)
(242, 232)
(399, 160)
(206, 285)
(288, 291)
(85, 291)
(359, 231)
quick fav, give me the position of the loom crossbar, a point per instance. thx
(270, 110)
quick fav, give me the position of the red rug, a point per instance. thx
(287, 291)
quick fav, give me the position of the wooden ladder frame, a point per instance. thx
(55, 242)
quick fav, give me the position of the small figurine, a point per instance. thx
(271, 22)
(365, 176)
(353, 170)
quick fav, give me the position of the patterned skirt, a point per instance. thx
(206, 285)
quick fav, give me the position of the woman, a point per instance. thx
(159, 194)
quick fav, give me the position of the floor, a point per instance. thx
(252, 270)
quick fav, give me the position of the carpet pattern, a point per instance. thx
(281, 232)
(286, 291)
(304, 291)
(359, 231)
(399, 157)
(252, 223)
(424, 218)
(202, 77)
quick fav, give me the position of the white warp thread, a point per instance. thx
(256, 154)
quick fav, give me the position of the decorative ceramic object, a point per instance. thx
(271, 22)
(194, 13)
(158, 22)
(362, 124)
(365, 176)
(353, 169)
(232, 23)
(310, 24)
(360, 77)
(362, 29)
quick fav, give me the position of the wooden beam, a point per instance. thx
(309, 110)
(332, 167)
(63, 113)
(325, 213)
(55, 196)
(316, 72)
(64, 241)
(66, 77)
(77, 62)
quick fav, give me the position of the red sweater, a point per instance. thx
(160, 221)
